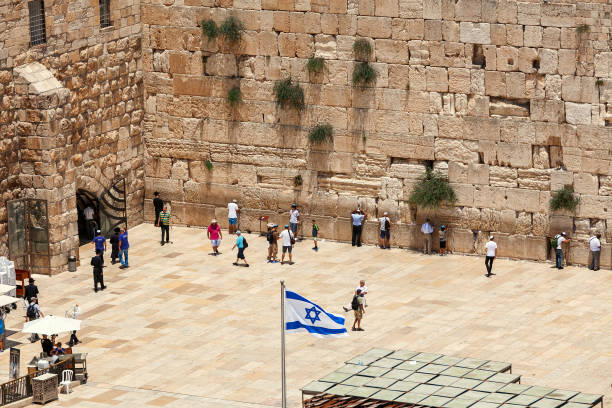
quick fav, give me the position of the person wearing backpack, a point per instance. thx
(242, 244)
(385, 231)
(357, 306)
(557, 243)
(33, 312)
(315, 234)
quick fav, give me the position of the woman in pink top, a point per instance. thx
(214, 234)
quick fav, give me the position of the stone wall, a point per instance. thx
(511, 99)
(71, 112)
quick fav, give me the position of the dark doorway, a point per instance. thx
(88, 209)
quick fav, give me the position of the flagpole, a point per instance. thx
(284, 383)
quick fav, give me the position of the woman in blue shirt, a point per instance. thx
(241, 243)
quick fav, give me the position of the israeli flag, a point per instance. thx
(303, 315)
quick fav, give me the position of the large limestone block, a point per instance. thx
(459, 80)
(405, 29)
(478, 174)
(490, 220)
(451, 127)
(578, 113)
(558, 14)
(459, 150)
(495, 83)
(490, 197)
(475, 33)
(391, 51)
(457, 172)
(325, 46)
(374, 27)
(468, 10)
(507, 221)
(585, 183)
(465, 194)
(534, 179)
(514, 155)
(221, 65)
(605, 186)
(391, 188)
(519, 199)
(437, 79)
(386, 8)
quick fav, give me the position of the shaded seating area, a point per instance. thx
(403, 378)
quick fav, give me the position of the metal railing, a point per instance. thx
(21, 388)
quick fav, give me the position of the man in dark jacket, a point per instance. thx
(158, 204)
(31, 291)
(97, 264)
(114, 240)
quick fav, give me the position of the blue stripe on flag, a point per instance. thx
(293, 295)
(313, 329)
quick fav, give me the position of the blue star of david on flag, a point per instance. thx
(314, 318)
(303, 315)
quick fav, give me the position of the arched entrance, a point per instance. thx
(106, 213)
(87, 207)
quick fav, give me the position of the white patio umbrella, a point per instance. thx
(8, 300)
(4, 289)
(51, 325)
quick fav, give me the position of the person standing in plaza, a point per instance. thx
(34, 313)
(443, 232)
(89, 215)
(357, 306)
(315, 234)
(385, 230)
(595, 248)
(158, 204)
(242, 244)
(164, 223)
(427, 231)
(214, 235)
(124, 246)
(358, 217)
(74, 314)
(31, 291)
(294, 219)
(114, 240)
(233, 210)
(98, 276)
(273, 251)
(287, 239)
(100, 243)
(491, 249)
(560, 239)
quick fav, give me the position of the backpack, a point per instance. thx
(555, 241)
(292, 238)
(270, 237)
(387, 224)
(31, 312)
(245, 244)
(355, 303)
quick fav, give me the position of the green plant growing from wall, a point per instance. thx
(210, 29)
(208, 164)
(432, 191)
(599, 82)
(564, 199)
(583, 28)
(321, 133)
(315, 65)
(364, 75)
(289, 95)
(297, 181)
(362, 49)
(234, 97)
(231, 29)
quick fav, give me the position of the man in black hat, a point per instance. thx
(98, 264)
(31, 291)
(114, 240)
(158, 204)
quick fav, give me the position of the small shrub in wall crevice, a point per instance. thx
(362, 49)
(231, 29)
(321, 133)
(364, 75)
(210, 29)
(564, 199)
(234, 97)
(316, 65)
(289, 95)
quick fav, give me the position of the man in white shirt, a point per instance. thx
(385, 230)
(595, 247)
(363, 290)
(294, 219)
(286, 238)
(491, 248)
(427, 231)
(89, 213)
(232, 214)
(559, 249)
(358, 217)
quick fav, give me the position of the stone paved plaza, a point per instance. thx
(180, 328)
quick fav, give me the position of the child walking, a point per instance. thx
(315, 233)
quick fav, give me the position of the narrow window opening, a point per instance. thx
(478, 57)
(38, 30)
(105, 13)
(536, 64)
(510, 61)
(429, 164)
